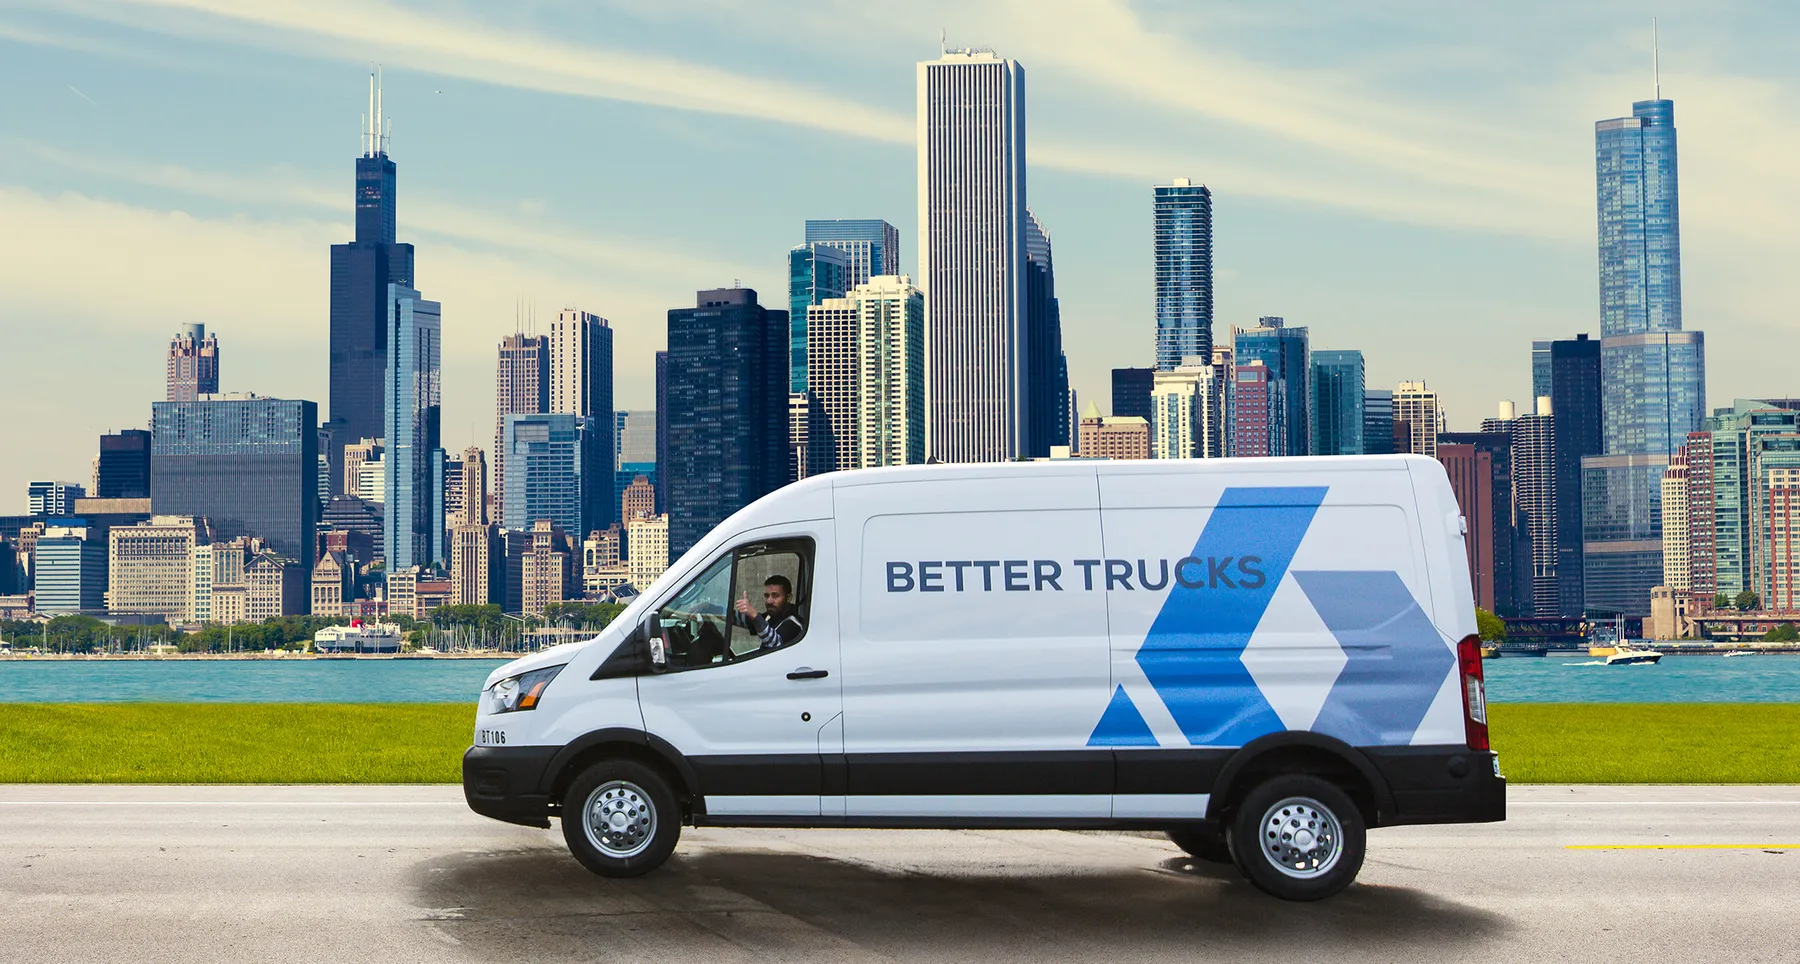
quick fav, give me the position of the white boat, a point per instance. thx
(1624, 655)
(1740, 652)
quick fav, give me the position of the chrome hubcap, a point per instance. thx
(620, 819)
(1301, 837)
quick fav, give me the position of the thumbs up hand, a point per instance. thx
(743, 604)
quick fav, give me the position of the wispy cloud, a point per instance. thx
(529, 231)
(369, 30)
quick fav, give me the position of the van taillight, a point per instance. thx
(1474, 692)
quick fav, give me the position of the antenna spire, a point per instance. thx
(1655, 58)
(368, 144)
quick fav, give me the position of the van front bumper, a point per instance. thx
(506, 783)
(1441, 784)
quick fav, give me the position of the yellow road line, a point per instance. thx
(1686, 846)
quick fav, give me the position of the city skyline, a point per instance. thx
(263, 362)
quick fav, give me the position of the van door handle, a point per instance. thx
(807, 672)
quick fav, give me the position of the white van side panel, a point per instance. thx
(1274, 597)
(964, 624)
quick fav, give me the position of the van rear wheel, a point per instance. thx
(619, 819)
(1202, 843)
(1298, 837)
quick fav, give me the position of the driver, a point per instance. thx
(779, 622)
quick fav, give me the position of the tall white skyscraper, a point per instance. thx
(972, 254)
(581, 383)
(866, 377)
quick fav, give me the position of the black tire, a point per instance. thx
(1286, 813)
(1202, 843)
(645, 831)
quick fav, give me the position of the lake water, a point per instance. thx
(1552, 679)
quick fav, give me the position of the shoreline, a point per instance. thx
(266, 657)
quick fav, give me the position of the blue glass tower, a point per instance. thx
(837, 255)
(1184, 275)
(1652, 373)
(1286, 353)
(545, 458)
(413, 528)
(1337, 402)
(815, 272)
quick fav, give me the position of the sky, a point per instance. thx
(1412, 179)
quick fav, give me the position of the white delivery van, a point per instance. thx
(1262, 657)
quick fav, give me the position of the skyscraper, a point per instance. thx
(1285, 352)
(193, 365)
(971, 135)
(662, 432)
(1480, 468)
(70, 570)
(1416, 406)
(1337, 402)
(816, 271)
(1652, 373)
(544, 454)
(1540, 368)
(1574, 390)
(1378, 421)
(1259, 419)
(473, 509)
(872, 244)
(867, 377)
(361, 272)
(413, 527)
(1046, 377)
(124, 471)
(248, 465)
(521, 387)
(1182, 216)
(1185, 421)
(725, 410)
(581, 383)
(1131, 392)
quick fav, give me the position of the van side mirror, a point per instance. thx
(659, 655)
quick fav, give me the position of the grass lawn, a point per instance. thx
(234, 742)
(1647, 742)
(423, 742)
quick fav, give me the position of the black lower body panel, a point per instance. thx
(504, 782)
(1435, 784)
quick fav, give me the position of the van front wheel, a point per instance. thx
(619, 819)
(1298, 837)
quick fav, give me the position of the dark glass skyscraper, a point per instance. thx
(1652, 373)
(1378, 421)
(726, 410)
(1337, 402)
(360, 274)
(1131, 389)
(1046, 378)
(124, 465)
(248, 464)
(1184, 273)
(1573, 369)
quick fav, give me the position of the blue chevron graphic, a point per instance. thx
(1122, 724)
(1396, 662)
(1191, 655)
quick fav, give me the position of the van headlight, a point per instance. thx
(519, 692)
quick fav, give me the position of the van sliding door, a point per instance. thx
(974, 648)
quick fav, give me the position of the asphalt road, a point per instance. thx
(391, 874)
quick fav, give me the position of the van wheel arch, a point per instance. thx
(622, 744)
(1300, 751)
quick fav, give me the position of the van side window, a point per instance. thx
(753, 600)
